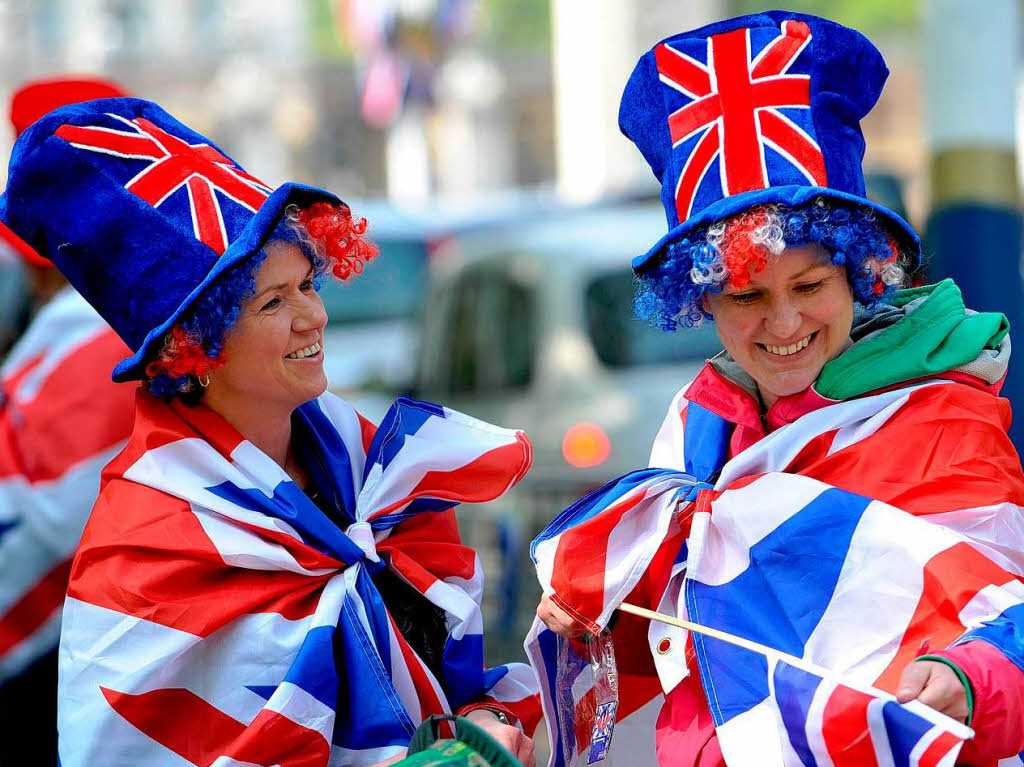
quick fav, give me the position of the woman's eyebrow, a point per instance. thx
(282, 285)
(802, 272)
(269, 288)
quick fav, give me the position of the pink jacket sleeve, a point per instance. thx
(998, 686)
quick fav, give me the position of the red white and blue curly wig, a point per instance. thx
(671, 289)
(329, 237)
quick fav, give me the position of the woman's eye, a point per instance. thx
(810, 287)
(271, 304)
(306, 285)
(743, 298)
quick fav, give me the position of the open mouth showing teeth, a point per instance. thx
(309, 351)
(785, 351)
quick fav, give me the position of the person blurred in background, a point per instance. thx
(61, 419)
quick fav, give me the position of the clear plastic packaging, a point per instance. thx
(588, 700)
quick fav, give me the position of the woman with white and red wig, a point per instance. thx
(841, 397)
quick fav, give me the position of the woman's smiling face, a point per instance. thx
(787, 322)
(273, 354)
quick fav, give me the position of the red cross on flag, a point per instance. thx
(735, 111)
(175, 163)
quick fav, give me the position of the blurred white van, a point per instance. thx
(534, 329)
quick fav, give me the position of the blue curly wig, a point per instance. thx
(671, 289)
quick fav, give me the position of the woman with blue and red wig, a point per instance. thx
(837, 485)
(266, 577)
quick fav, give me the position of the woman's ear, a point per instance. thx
(705, 303)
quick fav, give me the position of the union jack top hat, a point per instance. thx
(759, 109)
(138, 211)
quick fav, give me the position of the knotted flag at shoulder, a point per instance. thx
(216, 612)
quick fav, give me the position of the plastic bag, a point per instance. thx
(590, 716)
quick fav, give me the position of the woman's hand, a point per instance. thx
(936, 685)
(558, 620)
(515, 741)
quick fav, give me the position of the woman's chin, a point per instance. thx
(788, 384)
(306, 389)
(316, 388)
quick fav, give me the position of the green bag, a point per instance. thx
(472, 747)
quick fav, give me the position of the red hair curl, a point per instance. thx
(181, 356)
(341, 237)
(741, 254)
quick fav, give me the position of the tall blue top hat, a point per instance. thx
(759, 109)
(138, 211)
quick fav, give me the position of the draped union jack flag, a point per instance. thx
(947, 568)
(200, 168)
(734, 112)
(247, 627)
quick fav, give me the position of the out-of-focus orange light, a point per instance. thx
(585, 444)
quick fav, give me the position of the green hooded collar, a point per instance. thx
(926, 331)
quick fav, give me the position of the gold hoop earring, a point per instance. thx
(204, 383)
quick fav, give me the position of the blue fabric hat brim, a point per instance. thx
(250, 242)
(791, 196)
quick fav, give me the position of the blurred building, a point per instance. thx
(417, 99)
(282, 86)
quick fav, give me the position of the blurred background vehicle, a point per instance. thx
(371, 339)
(533, 327)
(374, 320)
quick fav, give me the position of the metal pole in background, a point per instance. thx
(594, 46)
(974, 229)
(593, 52)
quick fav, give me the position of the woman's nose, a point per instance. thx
(783, 319)
(311, 316)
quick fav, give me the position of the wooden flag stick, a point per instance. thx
(958, 728)
(723, 636)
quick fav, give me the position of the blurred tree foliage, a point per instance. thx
(507, 25)
(325, 33)
(519, 25)
(871, 17)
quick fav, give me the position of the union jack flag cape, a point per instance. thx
(216, 615)
(789, 544)
(61, 420)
